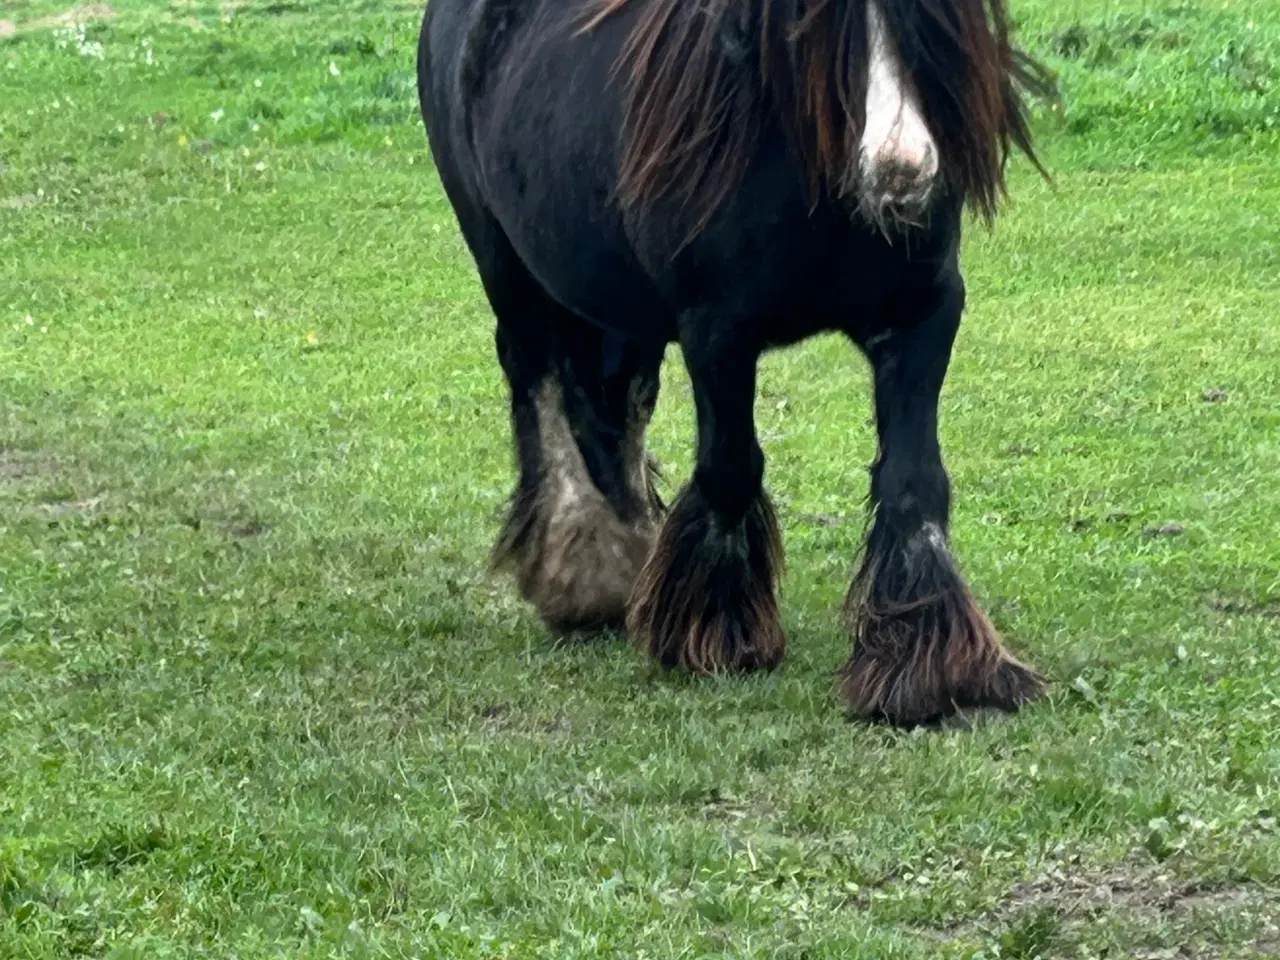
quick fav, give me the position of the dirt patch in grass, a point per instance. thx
(79, 14)
(60, 509)
(249, 527)
(504, 719)
(1042, 917)
(1126, 888)
(19, 465)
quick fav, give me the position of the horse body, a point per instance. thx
(529, 141)
(593, 263)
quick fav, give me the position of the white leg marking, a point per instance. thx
(571, 493)
(570, 490)
(928, 538)
(898, 156)
(588, 559)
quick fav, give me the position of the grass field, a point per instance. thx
(259, 697)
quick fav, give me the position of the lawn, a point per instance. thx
(259, 696)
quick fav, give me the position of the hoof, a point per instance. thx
(578, 569)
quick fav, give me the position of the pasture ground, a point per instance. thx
(259, 698)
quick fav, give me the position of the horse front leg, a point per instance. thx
(707, 599)
(923, 648)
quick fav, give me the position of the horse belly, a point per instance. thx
(604, 287)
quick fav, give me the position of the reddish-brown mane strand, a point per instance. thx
(705, 77)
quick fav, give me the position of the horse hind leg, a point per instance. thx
(597, 510)
(923, 648)
(584, 515)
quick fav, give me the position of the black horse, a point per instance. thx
(732, 176)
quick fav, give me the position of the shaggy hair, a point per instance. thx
(705, 78)
(707, 599)
(923, 648)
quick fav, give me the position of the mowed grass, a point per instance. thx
(259, 697)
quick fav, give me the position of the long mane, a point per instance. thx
(706, 78)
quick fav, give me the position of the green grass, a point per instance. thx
(258, 697)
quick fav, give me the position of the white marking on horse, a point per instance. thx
(929, 538)
(898, 156)
(569, 490)
(589, 558)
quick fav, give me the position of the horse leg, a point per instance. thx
(706, 600)
(584, 514)
(922, 646)
(584, 522)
